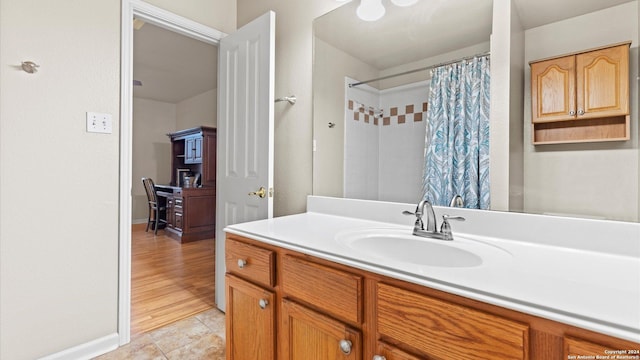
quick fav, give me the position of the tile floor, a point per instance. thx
(201, 336)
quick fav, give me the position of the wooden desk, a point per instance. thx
(191, 212)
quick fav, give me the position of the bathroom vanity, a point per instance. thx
(322, 285)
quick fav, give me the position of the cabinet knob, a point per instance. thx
(572, 112)
(580, 112)
(263, 303)
(242, 263)
(379, 357)
(345, 346)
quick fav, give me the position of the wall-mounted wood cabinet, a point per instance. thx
(285, 305)
(581, 97)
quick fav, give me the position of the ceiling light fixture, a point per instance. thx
(370, 10)
(403, 2)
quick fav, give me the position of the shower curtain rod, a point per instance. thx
(416, 70)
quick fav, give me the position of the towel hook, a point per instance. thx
(30, 67)
(290, 99)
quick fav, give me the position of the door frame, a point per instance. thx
(178, 24)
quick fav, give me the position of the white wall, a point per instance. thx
(593, 179)
(200, 110)
(59, 185)
(331, 66)
(151, 155)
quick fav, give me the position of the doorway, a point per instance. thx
(174, 88)
(155, 19)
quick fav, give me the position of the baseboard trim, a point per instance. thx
(87, 350)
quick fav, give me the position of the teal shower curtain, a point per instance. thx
(457, 140)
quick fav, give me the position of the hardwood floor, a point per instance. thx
(169, 281)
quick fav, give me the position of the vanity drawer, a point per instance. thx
(447, 331)
(334, 291)
(251, 262)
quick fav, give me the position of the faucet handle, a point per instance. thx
(419, 225)
(446, 217)
(445, 229)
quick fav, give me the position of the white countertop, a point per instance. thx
(581, 287)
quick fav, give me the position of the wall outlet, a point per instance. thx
(99, 123)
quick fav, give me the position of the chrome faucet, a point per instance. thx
(432, 226)
(457, 201)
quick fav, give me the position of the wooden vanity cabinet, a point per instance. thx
(324, 332)
(324, 310)
(250, 321)
(251, 301)
(385, 351)
(581, 97)
(437, 327)
(306, 334)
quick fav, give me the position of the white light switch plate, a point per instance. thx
(99, 123)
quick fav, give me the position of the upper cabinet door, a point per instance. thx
(553, 90)
(603, 82)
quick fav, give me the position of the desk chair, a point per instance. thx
(154, 206)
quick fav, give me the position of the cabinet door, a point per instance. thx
(553, 90)
(193, 150)
(250, 320)
(197, 149)
(603, 82)
(388, 352)
(309, 335)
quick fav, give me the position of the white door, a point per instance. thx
(245, 131)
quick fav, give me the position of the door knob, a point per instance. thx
(262, 192)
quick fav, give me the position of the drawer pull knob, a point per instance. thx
(242, 263)
(572, 112)
(263, 303)
(345, 346)
(580, 112)
(379, 357)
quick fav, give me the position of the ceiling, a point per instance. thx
(172, 67)
(434, 27)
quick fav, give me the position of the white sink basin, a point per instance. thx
(402, 246)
